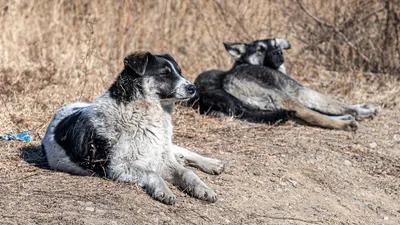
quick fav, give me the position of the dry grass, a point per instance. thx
(56, 52)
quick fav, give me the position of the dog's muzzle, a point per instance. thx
(191, 89)
(275, 52)
(274, 58)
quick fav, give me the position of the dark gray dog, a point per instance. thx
(126, 133)
(257, 81)
(211, 97)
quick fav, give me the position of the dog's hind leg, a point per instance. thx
(318, 119)
(205, 164)
(327, 105)
(188, 181)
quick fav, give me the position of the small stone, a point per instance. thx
(373, 145)
(293, 182)
(347, 162)
(386, 218)
(91, 209)
(100, 211)
(310, 156)
(358, 157)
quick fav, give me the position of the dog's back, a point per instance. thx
(255, 75)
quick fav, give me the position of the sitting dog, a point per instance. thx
(211, 98)
(258, 81)
(126, 133)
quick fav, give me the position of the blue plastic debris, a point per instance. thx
(25, 136)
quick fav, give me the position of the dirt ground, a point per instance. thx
(290, 174)
(56, 52)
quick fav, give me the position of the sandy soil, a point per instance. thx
(290, 174)
(57, 52)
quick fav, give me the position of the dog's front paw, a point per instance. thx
(213, 166)
(366, 113)
(375, 112)
(204, 193)
(362, 105)
(164, 196)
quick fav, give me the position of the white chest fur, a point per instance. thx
(143, 135)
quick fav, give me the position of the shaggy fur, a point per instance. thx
(126, 133)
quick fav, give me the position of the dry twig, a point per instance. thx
(337, 31)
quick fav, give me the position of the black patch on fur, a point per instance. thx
(274, 59)
(126, 87)
(78, 137)
(172, 60)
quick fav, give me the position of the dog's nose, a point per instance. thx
(191, 89)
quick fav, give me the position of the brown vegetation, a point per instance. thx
(56, 52)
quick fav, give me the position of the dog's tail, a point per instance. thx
(277, 117)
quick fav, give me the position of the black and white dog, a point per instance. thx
(258, 82)
(211, 98)
(126, 134)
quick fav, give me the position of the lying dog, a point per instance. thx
(257, 81)
(211, 98)
(126, 133)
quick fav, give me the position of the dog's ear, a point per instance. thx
(236, 49)
(138, 62)
(283, 43)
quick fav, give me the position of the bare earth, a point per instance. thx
(56, 52)
(290, 174)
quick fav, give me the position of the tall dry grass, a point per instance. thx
(58, 51)
(349, 35)
(78, 41)
(78, 38)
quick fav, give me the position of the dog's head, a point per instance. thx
(155, 76)
(266, 52)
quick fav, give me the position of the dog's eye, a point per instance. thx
(260, 49)
(167, 70)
